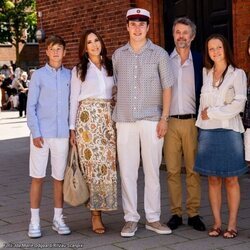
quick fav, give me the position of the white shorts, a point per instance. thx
(247, 144)
(58, 148)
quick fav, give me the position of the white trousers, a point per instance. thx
(247, 144)
(131, 138)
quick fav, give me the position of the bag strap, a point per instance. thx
(71, 155)
(74, 154)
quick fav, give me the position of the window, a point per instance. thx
(30, 35)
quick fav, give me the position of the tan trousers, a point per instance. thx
(181, 140)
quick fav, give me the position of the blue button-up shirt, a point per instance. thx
(48, 103)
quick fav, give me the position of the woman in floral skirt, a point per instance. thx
(92, 128)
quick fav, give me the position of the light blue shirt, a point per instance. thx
(48, 103)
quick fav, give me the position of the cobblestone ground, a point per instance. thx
(14, 209)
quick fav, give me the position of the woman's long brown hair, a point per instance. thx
(208, 62)
(82, 65)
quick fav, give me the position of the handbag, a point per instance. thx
(75, 188)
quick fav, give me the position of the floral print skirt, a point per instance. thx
(96, 143)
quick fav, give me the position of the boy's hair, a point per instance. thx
(55, 39)
(139, 20)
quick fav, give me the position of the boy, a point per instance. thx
(47, 118)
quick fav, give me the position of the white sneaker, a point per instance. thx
(129, 229)
(60, 227)
(34, 231)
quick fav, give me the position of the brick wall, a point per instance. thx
(241, 31)
(29, 55)
(155, 7)
(70, 18)
(7, 53)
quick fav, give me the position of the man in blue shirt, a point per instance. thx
(47, 118)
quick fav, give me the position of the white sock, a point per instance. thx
(57, 213)
(35, 218)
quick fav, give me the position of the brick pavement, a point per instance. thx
(14, 209)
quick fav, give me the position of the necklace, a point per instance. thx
(218, 77)
(216, 80)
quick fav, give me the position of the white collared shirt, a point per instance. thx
(96, 85)
(183, 90)
(224, 103)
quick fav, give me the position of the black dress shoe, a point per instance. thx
(196, 223)
(174, 222)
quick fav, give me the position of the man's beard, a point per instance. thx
(183, 44)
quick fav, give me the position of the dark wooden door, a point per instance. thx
(210, 16)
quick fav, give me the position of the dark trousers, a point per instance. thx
(22, 103)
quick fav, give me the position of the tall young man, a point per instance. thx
(144, 79)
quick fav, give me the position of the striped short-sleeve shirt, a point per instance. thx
(140, 79)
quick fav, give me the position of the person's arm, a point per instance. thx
(114, 89)
(232, 109)
(167, 81)
(32, 102)
(38, 142)
(72, 137)
(75, 90)
(163, 123)
(114, 68)
(22, 87)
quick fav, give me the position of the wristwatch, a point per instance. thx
(165, 118)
